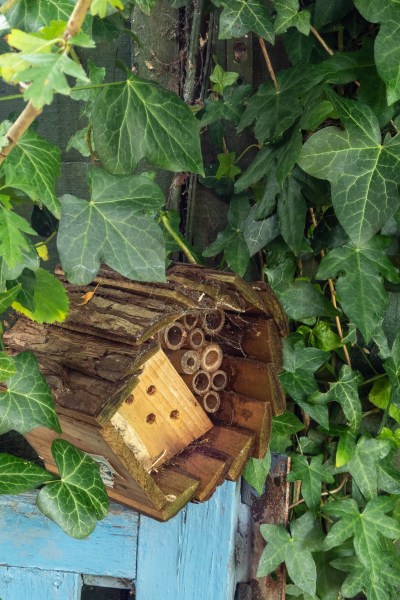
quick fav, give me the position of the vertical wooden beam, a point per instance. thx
(271, 507)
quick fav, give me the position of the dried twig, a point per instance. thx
(329, 493)
(269, 64)
(333, 298)
(321, 41)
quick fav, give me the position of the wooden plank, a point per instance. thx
(255, 380)
(211, 470)
(39, 585)
(260, 339)
(31, 540)
(233, 442)
(191, 557)
(249, 413)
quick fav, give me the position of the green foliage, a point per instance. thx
(120, 214)
(27, 401)
(78, 498)
(164, 123)
(327, 169)
(256, 471)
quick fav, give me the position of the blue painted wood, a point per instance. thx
(28, 539)
(34, 584)
(191, 557)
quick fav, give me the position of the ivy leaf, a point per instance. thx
(392, 368)
(113, 227)
(102, 7)
(359, 168)
(78, 499)
(275, 111)
(227, 166)
(303, 300)
(33, 167)
(47, 75)
(138, 119)
(50, 299)
(241, 16)
(367, 529)
(345, 392)
(294, 549)
(346, 447)
(292, 214)
(324, 338)
(283, 427)
(8, 297)
(18, 475)
(7, 366)
(31, 15)
(288, 15)
(27, 402)
(311, 474)
(12, 238)
(360, 270)
(259, 233)
(326, 11)
(222, 79)
(256, 471)
(300, 364)
(30, 260)
(228, 108)
(364, 464)
(387, 42)
(379, 396)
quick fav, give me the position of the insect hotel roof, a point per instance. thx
(171, 386)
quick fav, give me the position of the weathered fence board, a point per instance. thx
(18, 583)
(29, 539)
(192, 557)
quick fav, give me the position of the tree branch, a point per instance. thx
(30, 111)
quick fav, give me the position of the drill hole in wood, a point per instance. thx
(151, 390)
(174, 414)
(151, 418)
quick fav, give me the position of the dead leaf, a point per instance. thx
(88, 296)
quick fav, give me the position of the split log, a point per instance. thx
(208, 465)
(237, 444)
(255, 380)
(249, 413)
(259, 339)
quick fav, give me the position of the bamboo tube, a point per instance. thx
(173, 336)
(211, 357)
(199, 382)
(210, 401)
(219, 380)
(190, 321)
(195, 339)
(213, 321)
(185, 361)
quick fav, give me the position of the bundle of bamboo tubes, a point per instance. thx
(189, 346)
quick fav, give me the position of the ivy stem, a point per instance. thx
(333, 298)
(372, 379)
(178, 239)
(245, 151)
(46, 241)
(321, 41)
(7, 6)
(88, 139)
(31, 112)
(269, 64)
(328, 493)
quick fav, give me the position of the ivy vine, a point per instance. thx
(313, 209)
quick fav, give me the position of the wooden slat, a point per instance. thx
(39, 585)
(249, 413)
(236, 443)
(255, 380)
(211, 470)
(260, 339)
(193, 556)
(32, 541)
